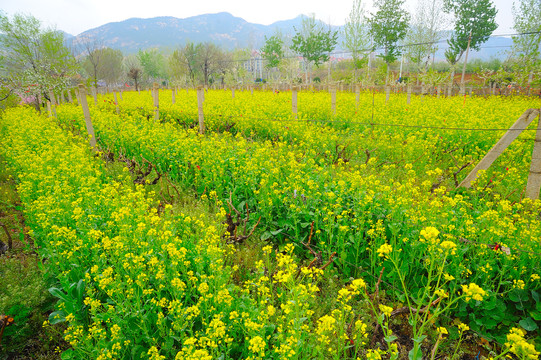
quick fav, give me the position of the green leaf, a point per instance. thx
(490, 304)
(535, 296)
(169, 342)
(488, 322)
(57, 317)
(67, 355)
(57, 293)
(80, 291)
(418, 356)
(528, 324)
(536, 315)
(419, 339)
(518, 296)
(137, 352)
(390, 338)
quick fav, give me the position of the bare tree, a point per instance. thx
(526, 47)
(133, 70)
(426, 29)
(184, 62)
(209, 58)
(357, 36)
(92, 60)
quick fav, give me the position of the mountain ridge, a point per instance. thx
(168, 31)
(223, 28)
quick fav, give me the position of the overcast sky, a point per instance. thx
(76, 16)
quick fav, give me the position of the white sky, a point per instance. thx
(76, 16)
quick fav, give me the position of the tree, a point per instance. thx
(475, 17)
(234, 65)
(112, 65)
(313, 42)
(153, 64)
(92, 59)
(273, 50)
(357, 36)
(426, 29)
(389, 25)
(183, 62)
(133, 70)
(33, 60)
(210, 60)
(104, 64)
(527, 21)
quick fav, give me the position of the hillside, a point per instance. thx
(224, 29)
(169, 32)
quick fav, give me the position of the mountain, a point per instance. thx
(495, 47)
(223, 29)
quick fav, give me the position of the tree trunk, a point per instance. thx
(451, 81)
(530, 78)
(37, 104)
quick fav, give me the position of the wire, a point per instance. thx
(397, 46)
(379, 124)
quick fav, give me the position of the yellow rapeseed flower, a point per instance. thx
(462, 327)
(519, 346)
(387, 310)
(429, 232)
(473, 291)
(384, 250)
(442, 331)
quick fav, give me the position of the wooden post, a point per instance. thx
(70, 99)
(387, 93)
(121, 98)
(294, 108)
(94, 93)
(409, 94)
(156, 93)
(514, 131)
(116, 103)
(357, 94)
(86, 112)
(200, 99)
(173, 96)
(49, 108)
(438, 91)
(333, 99)
(232, 92)
(534, 177)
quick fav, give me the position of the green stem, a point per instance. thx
(457, 346)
